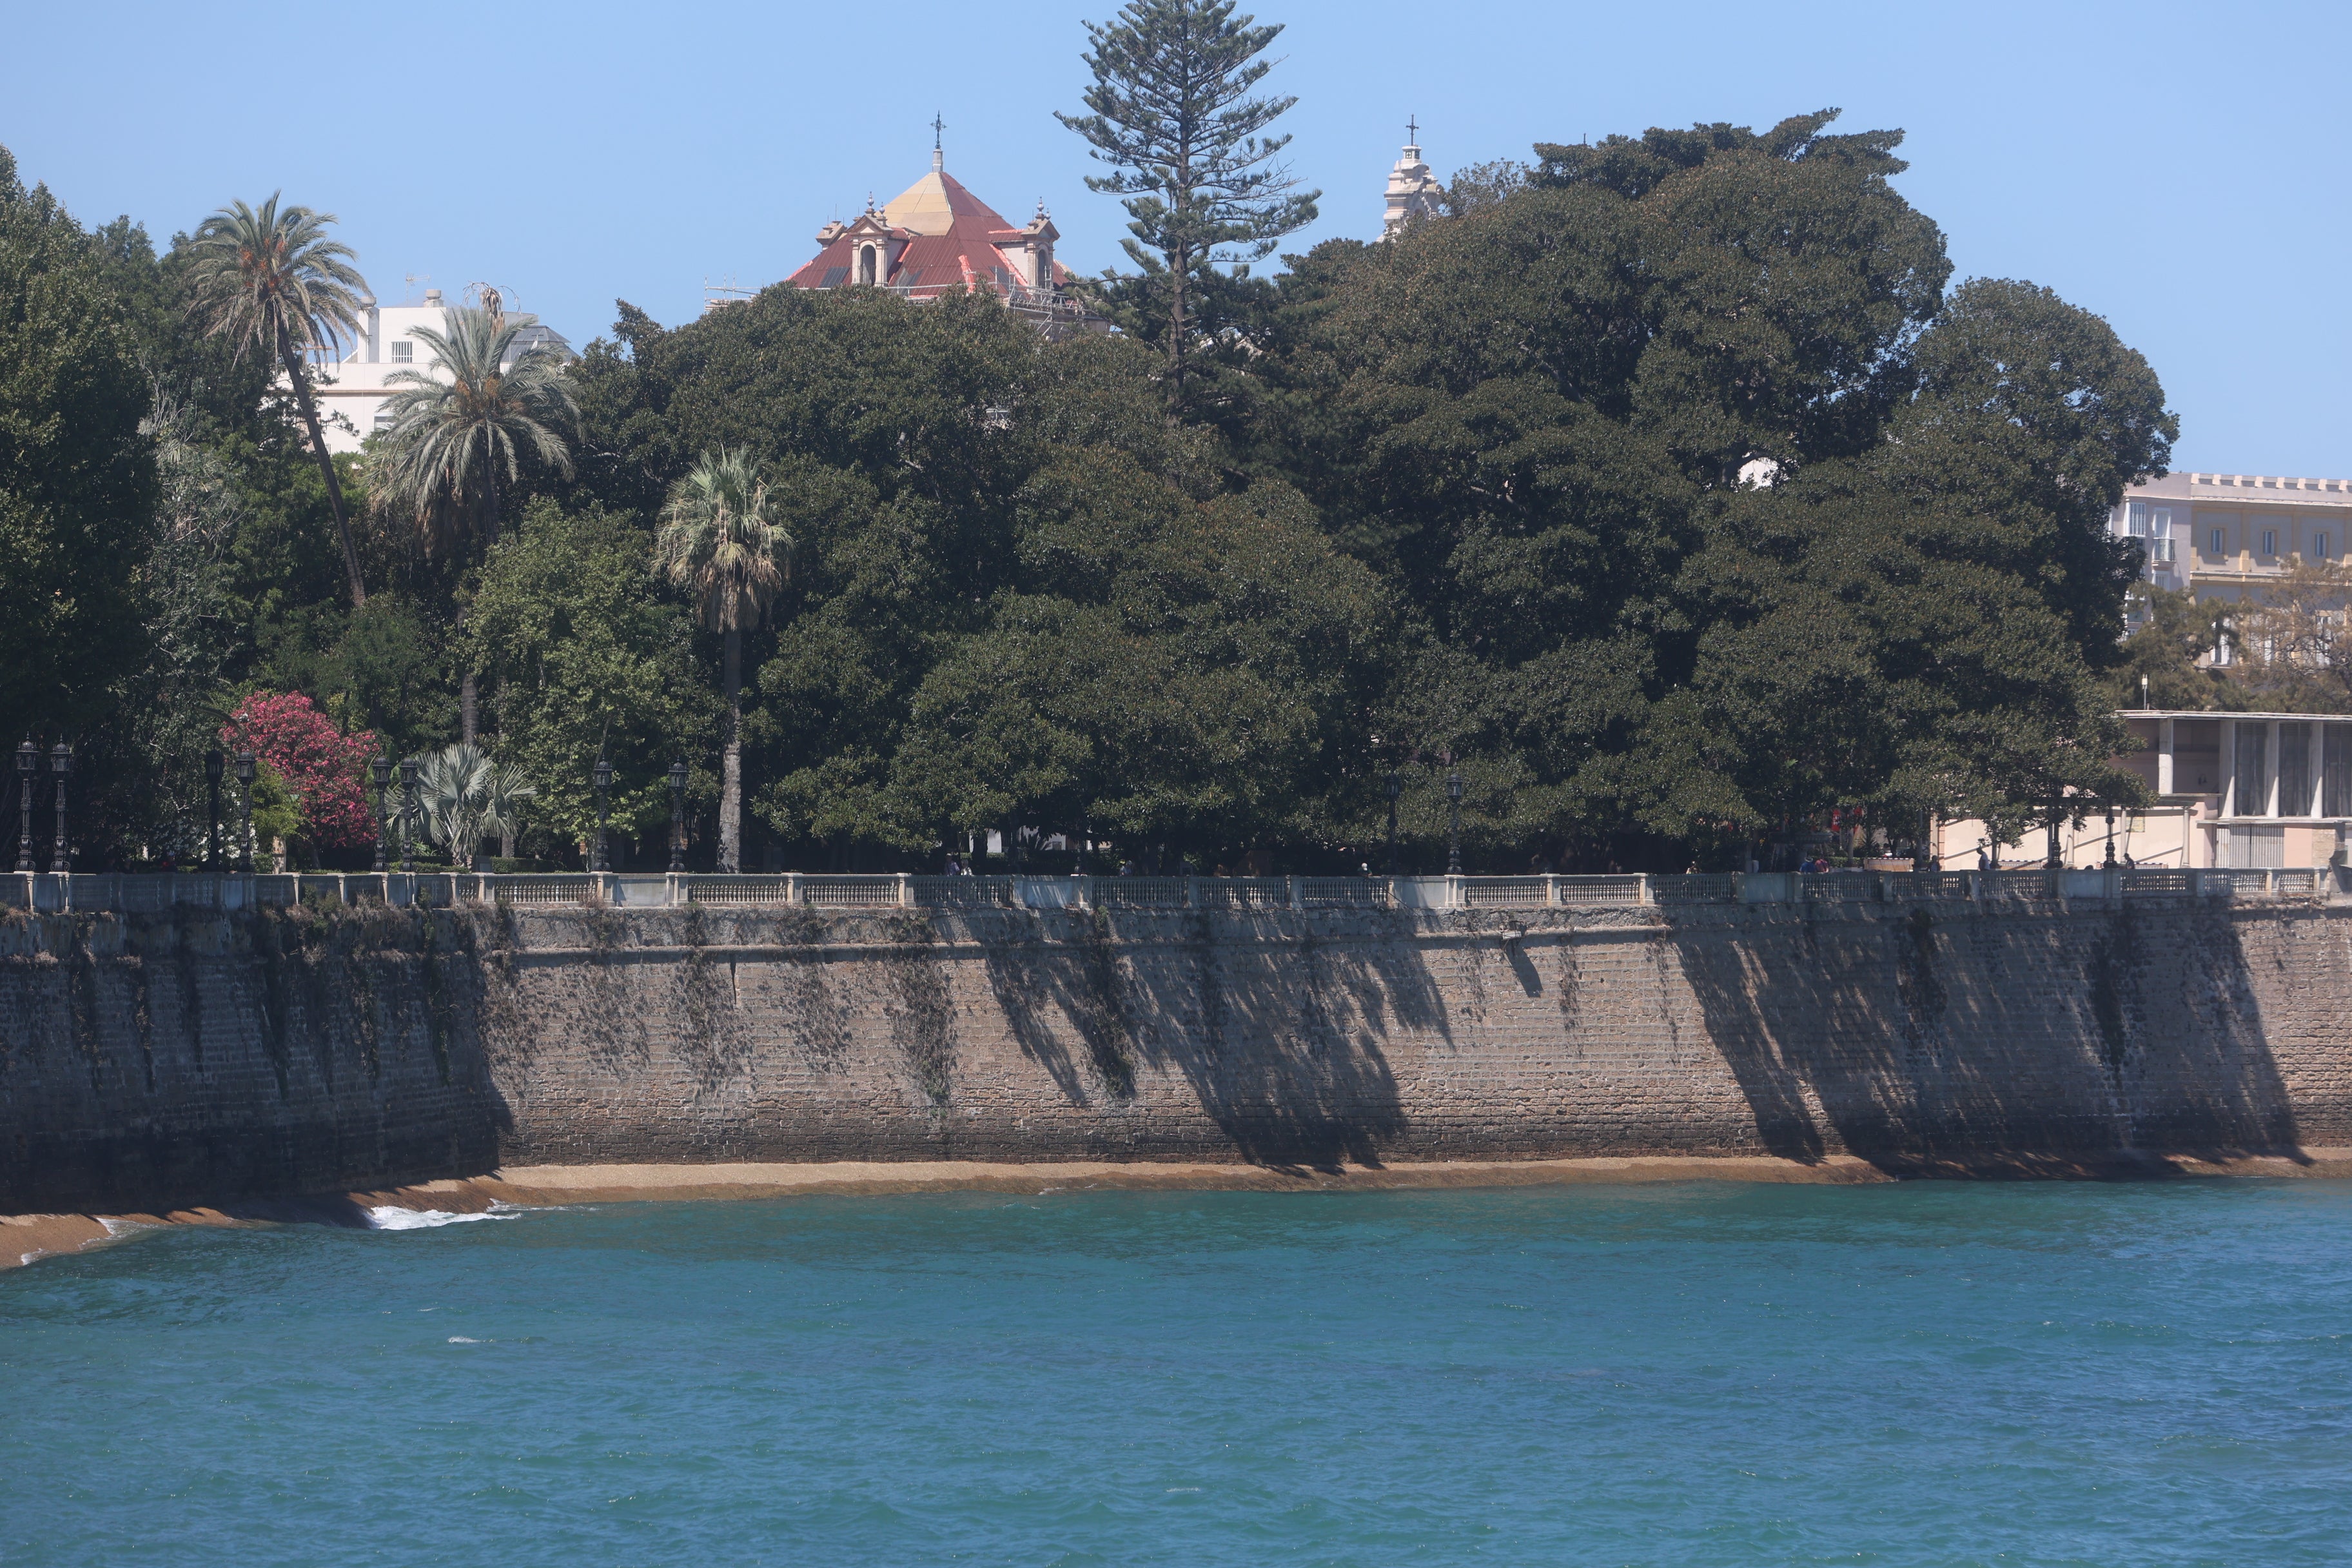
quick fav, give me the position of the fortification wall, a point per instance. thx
(205, 1059)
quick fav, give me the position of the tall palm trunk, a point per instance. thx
(300, 379)
(468, 708)
(730, 775)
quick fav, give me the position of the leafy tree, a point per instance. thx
(2161, 670)
(717, 543)
(149, 764)
(275, 816)
(2287, 640)
(586, 659)
(271, 279)
(1483, 185)
(325, 769)
(871, 421)
(78, 482)
(1172, 111)
(1168, 670)
(1923, 627)
(1710, 511)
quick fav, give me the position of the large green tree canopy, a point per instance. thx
(1019, 595)
(78, 485)
(1666, 490)
(1709, 511)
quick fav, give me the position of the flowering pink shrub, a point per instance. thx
(324, 767)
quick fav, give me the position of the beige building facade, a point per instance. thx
(2231, 789)
(2220, 536)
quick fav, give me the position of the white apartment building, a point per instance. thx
(354, 385)
(2219, 535)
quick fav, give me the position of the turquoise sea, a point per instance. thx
(1689, 1374)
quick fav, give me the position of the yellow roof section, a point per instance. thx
(922, 207)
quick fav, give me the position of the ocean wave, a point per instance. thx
(391, 1217)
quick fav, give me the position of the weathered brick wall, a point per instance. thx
(358, 1052)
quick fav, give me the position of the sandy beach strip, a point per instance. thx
(24, 1238)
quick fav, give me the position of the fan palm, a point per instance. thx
(719, 543)
(272, 279)
(458, 432)
(462, 797)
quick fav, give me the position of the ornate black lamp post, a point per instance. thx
(28, 761)
(212, 810)
(380, 774)
(244, 814)
(603, 777)
(2111, 835)
(677, 816)
(2057, 859)
(407, 814)
(1396, 788)
(1454, 825)
(61, 765)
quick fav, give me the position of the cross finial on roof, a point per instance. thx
(1412, 129)
(939, 131)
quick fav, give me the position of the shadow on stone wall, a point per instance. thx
(1275, 1029)
(1932, 1039)
(191, 1061)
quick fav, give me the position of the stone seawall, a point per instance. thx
(208, 1059)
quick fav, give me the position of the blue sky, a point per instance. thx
(2182, 170)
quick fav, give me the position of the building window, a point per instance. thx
(2248, 797)
(2321, 547)
(2159, 550)
(2217, 543)
(2135, 519)
(2159, 519)
(2270, 541)
(404, 353)
(866, 264)
(2336, 790)
(2293, 770)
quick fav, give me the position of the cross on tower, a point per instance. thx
(938, 129)
(1412, 129)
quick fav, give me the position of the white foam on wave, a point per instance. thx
(391, 1217)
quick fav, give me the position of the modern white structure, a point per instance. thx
(353, 387)
(2231, 789)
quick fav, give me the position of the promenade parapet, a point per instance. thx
(129, 893)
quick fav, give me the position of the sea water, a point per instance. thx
(1689, 1375)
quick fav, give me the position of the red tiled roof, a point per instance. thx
(966, 254)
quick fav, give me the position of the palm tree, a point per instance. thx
(463, 797)
(716, 542)
(454, 441)
(272, 280)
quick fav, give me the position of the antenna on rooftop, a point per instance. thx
(412, 279)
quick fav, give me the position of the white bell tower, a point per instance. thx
(1413, 191)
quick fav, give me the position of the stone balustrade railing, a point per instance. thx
(144, 894)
